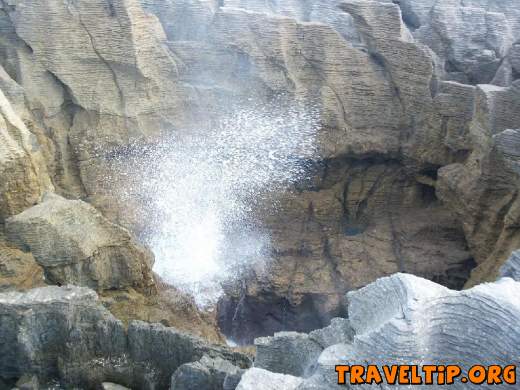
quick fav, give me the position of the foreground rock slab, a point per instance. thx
(63, 334)
(404, 319)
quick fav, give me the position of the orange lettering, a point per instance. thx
(415, 378)
(477, 374)
(390, 374)
(373, 375)
(493, 377)
(429, 370)
(356, 375)
(341, 370)
(452, 372)
(404, 371)
(510, 375)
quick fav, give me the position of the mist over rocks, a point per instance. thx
(273, 156)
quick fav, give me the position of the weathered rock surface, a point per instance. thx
(470, 38)
(483, 191)
(207, 373)
(409, 320)
(511, 268)
(23, 175)
(418, 169)
(64, 334)
(75, 244)
(287, 353)
(18, 270)
(168, 306)
(257, 378)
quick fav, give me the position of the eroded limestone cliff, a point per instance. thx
(418, 144)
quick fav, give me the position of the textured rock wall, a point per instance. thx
(400, 319)
(417, 171)
(63, 334)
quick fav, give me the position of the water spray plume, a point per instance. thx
(200, 191)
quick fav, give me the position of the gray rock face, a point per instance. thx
(469, 38)
(511, 269)
(260, 379)
(287, 353)
(207, 373)
(64, 334)
(404, 123)
(75, 244)
(408, 320)
(339, 331)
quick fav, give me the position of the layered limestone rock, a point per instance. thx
(417, 170)
(18, 270)
(483, 190)
(207, 373)
(511, 268)
(75, 244)
(23, 175)
(168, 306)
(470, 39)
(63, 334)
(404, 319)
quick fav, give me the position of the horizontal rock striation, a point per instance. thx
(403, 319)
(419, 103)
(75, 244)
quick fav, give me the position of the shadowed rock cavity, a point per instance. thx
(363, 219)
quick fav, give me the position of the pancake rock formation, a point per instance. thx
(412, 168)
(401, 319)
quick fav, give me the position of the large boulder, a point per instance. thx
(75, 244)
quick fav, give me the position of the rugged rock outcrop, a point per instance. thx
(168, 306)
(18, 270)
(207, 373)
(406, 319)
(418, 163)
(22, 169)
(483, 190)
(63, 334)
(75, 244)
